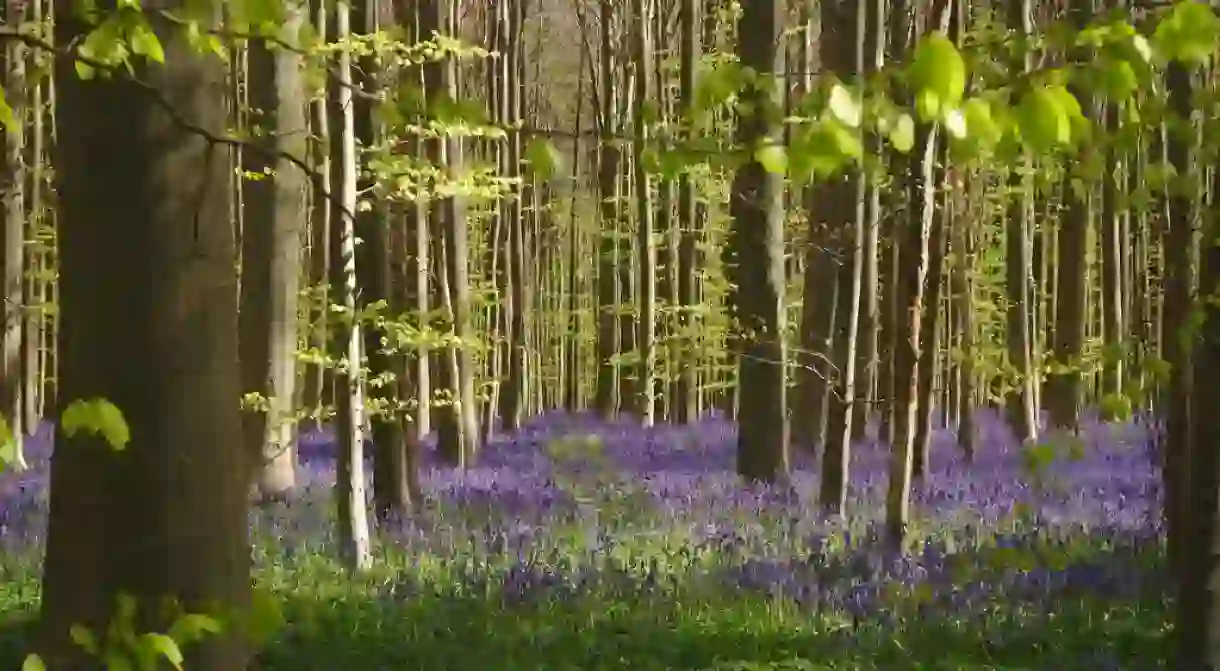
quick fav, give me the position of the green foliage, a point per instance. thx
(122, 648)
(937, 75)
(7, 120)
(542, 158)
(1115, 407)
(9, 447)
(1189, 33)
(96, 416)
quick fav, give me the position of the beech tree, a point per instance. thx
(148, 310)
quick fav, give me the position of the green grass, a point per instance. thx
(337, 623)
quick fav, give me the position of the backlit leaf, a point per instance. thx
(164, 646)
(772, 157)
(902, 135)
(844, 106)
(937, 75)
(97, 416)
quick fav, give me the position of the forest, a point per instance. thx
(549, 335)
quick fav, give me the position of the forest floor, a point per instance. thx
(582, 545)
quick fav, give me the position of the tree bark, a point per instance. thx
(755, 254)
(148, 321)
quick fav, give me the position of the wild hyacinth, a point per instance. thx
(572, 510)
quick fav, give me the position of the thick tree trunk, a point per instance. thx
(756, 258)
(1197, 628)
(149, 321)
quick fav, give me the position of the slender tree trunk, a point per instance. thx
(1177, 281)
(512, 395)
(609, 160)
(457, 421)
(914, 276)
(1112, 253)
(963, 293)
(1064, 392)
(930, 337)
(687, 395)
(12, 379)
(845, 26)
(646, 262)
(1022, 409)
(317, 374)
(353, 529)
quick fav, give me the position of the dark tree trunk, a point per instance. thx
(756, 258)
(148, 321)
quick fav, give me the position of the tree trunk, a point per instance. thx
(457, 423)
(353, 526)
(646, 249)
(844, 26)
(609, 160)
(12, 379)
(1177, 280)
(687, 395)
(1198, 602)
(149, 321)
(756, 256)
(512, 395)
(271, 261)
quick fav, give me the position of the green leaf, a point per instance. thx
(955, 123)
(674, 162)
(33, 663)
(144, 43)
(980, 125)
(650, 160)
(844, 106)
(8, 444)
(1116, 79)
(83, 638)
(1115, 407)
(1079, 127)
(97, 416)
(1189, 33)
(902, 134)
(164, 646)
(937, 75)
(117, 661)
(7, 119)
(927, 104)
(1042, 121)
(720, 83)
(193, 627)
(83, 70)
(772, 157)
(543, 158)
